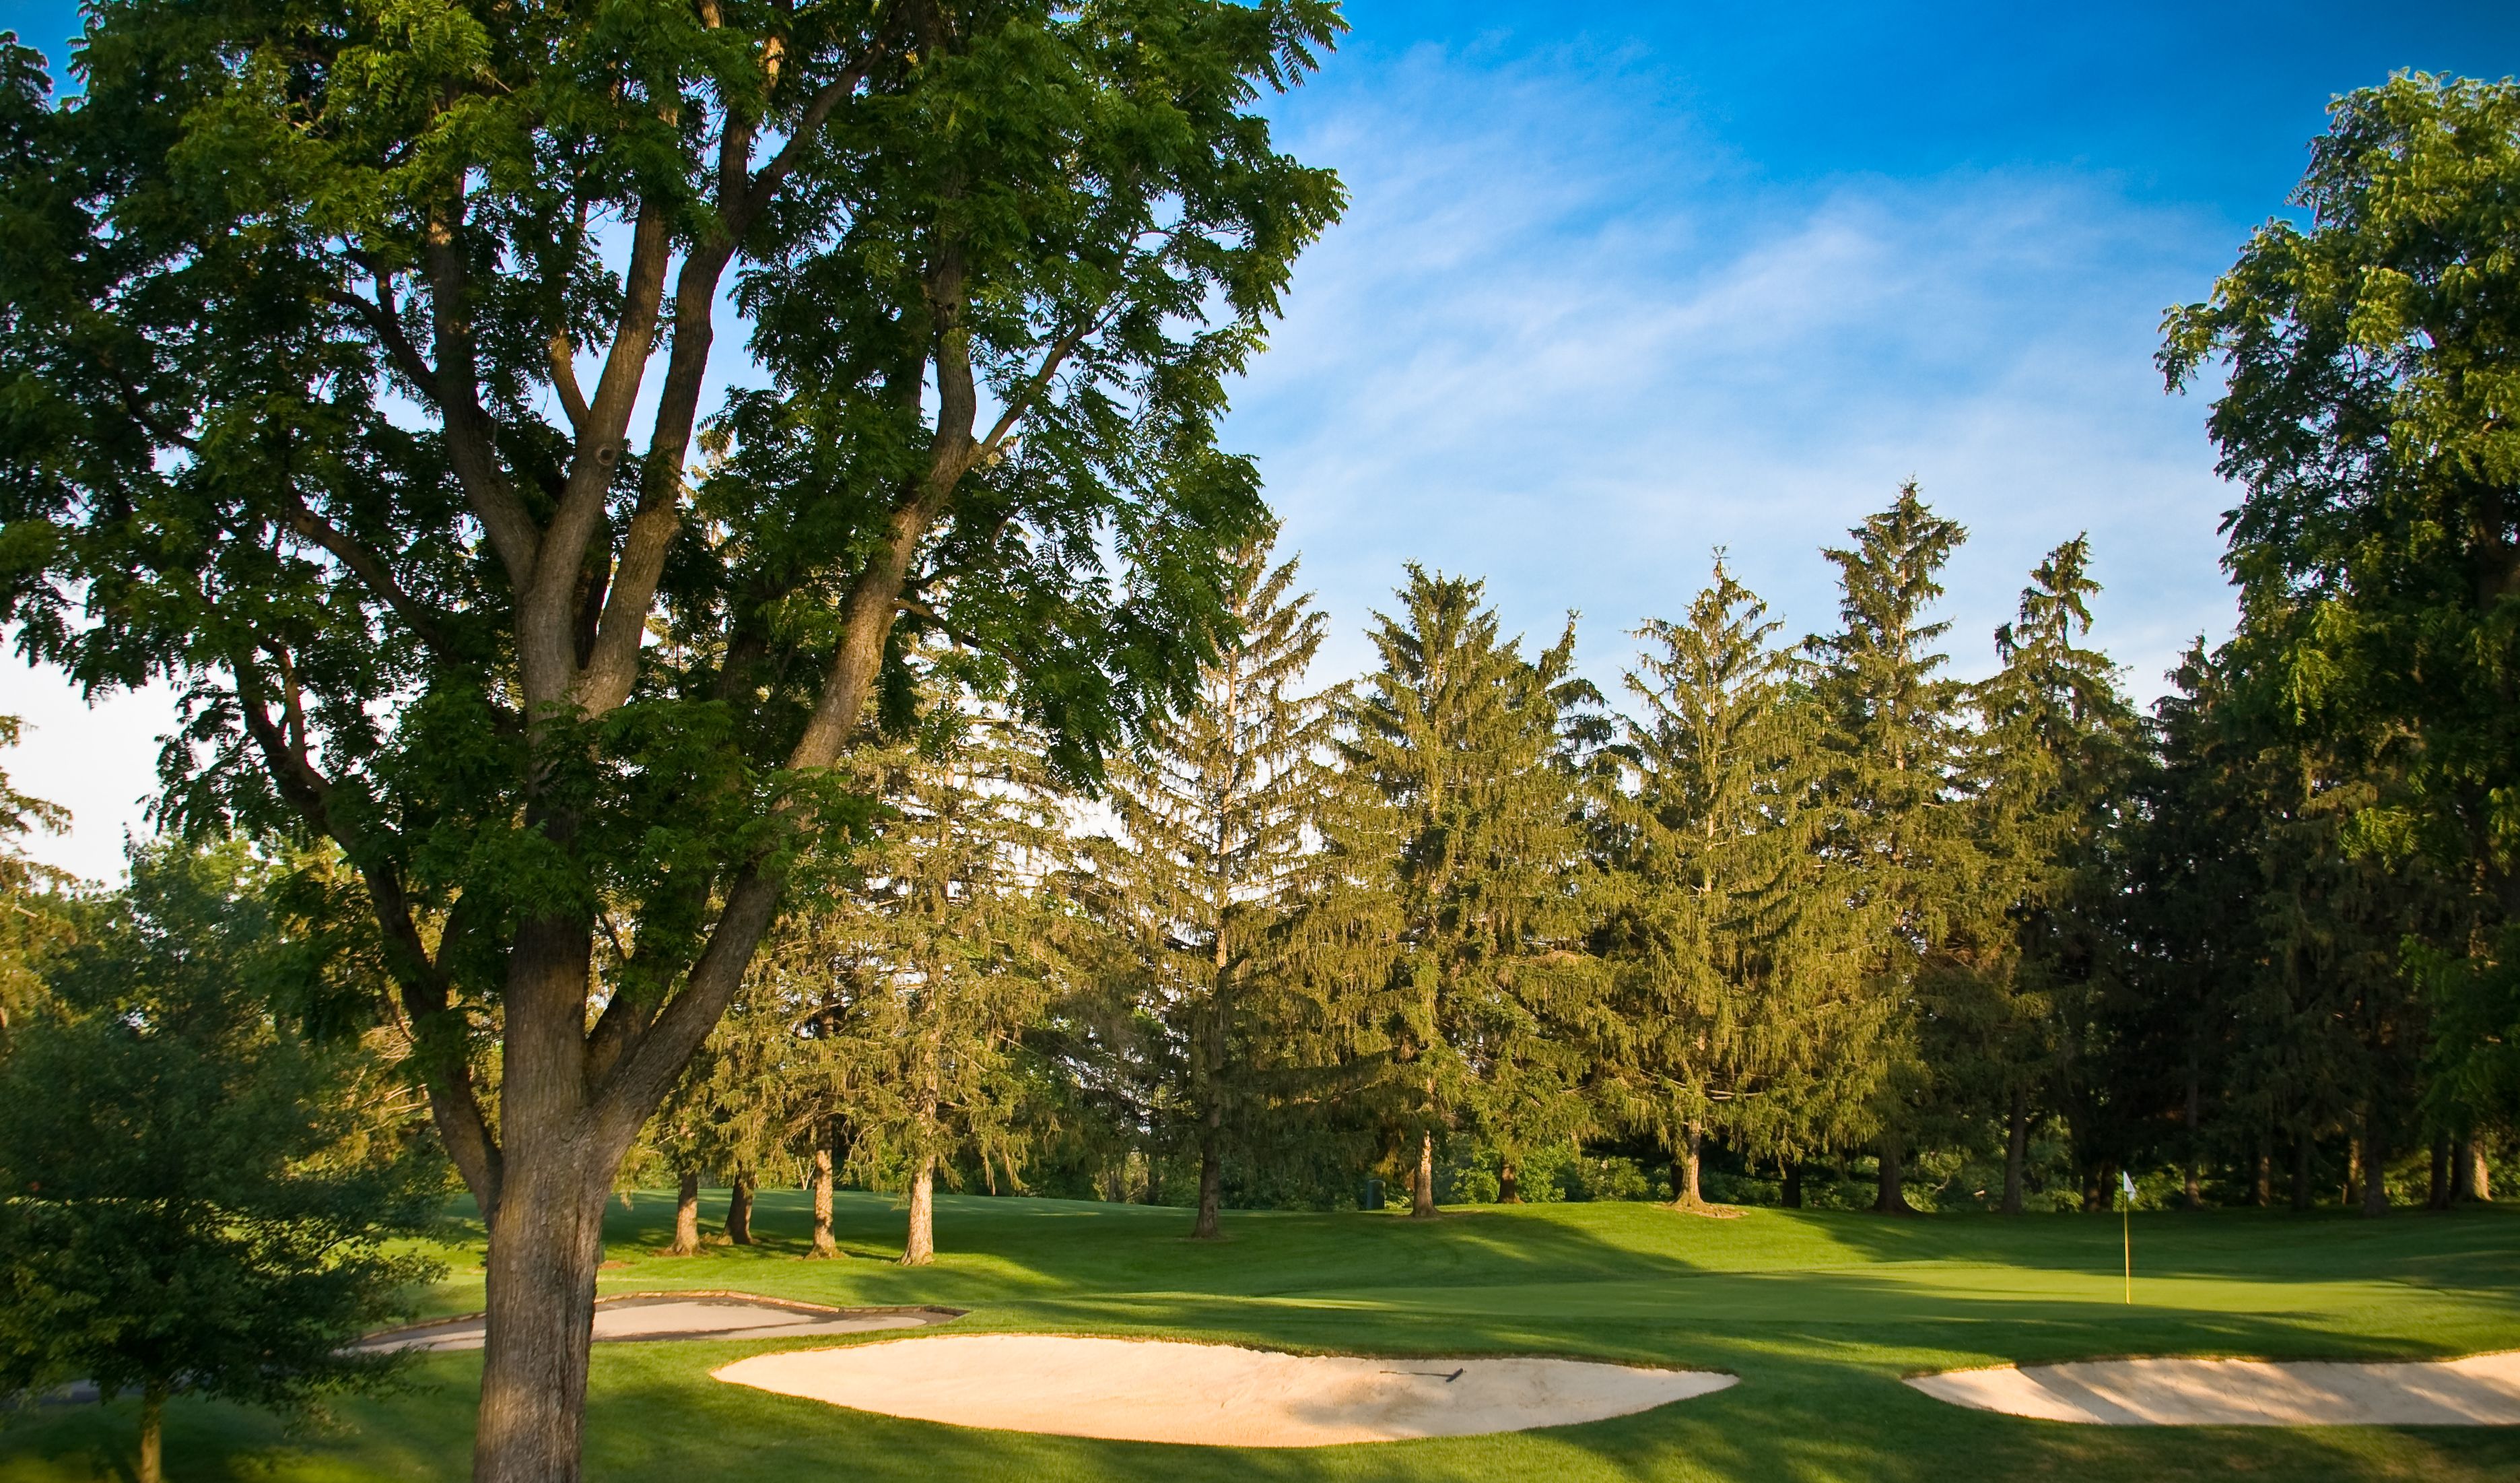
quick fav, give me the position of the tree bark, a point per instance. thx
(2376, 1166)
(152, 1432)
(1685, 1165)
(2438, 1193)
(825, 1248)
(541, 1307)
(1508, 1184)
(2262, 1182)
(1792, 1193)
(1892, 1196)
(2353, 1198)
(918, 1248)
(2017, 1148)
(738, 1209)
(2475, 1180)
(1211, 1187)
(687, 1216)
(2301, 1151)
(2191, 1190)
(1422, 1188)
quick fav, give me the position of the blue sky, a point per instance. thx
(1611, 295)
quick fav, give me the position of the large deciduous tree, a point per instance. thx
(356, 362)
(2372, 358)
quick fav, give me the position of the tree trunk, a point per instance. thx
(2017, 1148)
(2475, 1181)
(1685, 1165)
(540, 1310)
(738, 1209)
(919, 1248)
(2375, 1167)
(2191, 1191)
(1792, 1193)
(152, 1431)
(825, 1248)
(2095, 1188)
(687, 1217)
(2437, 1194)
(1422, 1188)
(1892, 1197)
(2262, 1182)
(1508, 1184)
(1211, 1187)
(2301, 1151)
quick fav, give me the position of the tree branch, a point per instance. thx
(472, 442)
(369, 569)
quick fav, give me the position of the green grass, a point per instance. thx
(1819, 1314)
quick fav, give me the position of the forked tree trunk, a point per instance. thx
(2017, 1149)
(1421, 1190)
(1793, 1188)
(1892, 1196)
(687, 1217)
(153, 1433)
(540, 1308)
(825, 1247)
(919, 1247)
(739, 1210)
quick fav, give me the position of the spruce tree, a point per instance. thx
(1740, 1004)
(2057, 740)
(1897, 748)
(1212, 829)
(922, 970)
(1448, 926)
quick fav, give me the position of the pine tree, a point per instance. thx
(1739, 1005)
(1448, 926)
(920, 974)
(2057, 740)
(1897, 752)
(1212, 819)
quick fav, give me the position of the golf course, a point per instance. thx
(1820, 1313)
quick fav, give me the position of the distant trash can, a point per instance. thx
(1372, 1197)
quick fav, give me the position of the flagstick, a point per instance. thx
(2125, 1221)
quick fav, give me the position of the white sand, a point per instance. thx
(2483, 1390)
(1154, 1391)
(667, 1315)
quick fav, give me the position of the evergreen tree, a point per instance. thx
(1212, 820)
(2056, 742)
(927, 966)
(1897, 752)
(1450, 914)
(1738, 1003)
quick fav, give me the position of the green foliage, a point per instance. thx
(1199, 881)
(193, 1195)
(1740, 1008)
(1446, 930)
(31, 919)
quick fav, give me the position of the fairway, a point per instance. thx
(1821, 1314)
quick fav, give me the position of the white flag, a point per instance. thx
(2127, 1180)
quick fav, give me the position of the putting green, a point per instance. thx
(1821, 1314)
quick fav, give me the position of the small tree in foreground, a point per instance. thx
(192, 1196)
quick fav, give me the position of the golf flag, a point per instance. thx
(2125, 1226)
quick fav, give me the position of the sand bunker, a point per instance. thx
(2483, 1390)
(1134, 1391)
(682, 1315)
